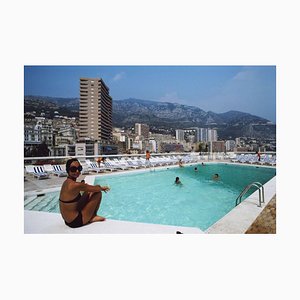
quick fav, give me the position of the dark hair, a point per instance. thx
(69, 162)
(177, 178)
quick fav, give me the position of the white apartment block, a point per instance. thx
(201, 135)
(152, 145)
(179, 135)
(212, 135)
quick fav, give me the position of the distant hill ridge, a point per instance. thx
(162, 115)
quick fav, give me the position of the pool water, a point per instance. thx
(152, 196)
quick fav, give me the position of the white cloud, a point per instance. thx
(250, 90)
(119, 76)
(245, 74)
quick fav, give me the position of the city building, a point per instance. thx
(212, 135)
(95, 110)
(218, 146)
(141, 130)
(39, 131)
(152, 145)
(202, 135)
(229, 145)
(179, 135)
(165, 147)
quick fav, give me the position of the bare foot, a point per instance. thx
(97, 219)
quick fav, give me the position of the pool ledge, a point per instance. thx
(45, 222)
(242, 216)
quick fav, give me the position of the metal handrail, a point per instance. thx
(247, 188)
(263, 191)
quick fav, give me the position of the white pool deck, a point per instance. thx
(43, 222)
(237, 221)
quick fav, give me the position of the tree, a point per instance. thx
(42, 149)
(206, 147)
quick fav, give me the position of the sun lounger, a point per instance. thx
(85, 166)
(55, 170)
(253, 159)
(265, 159)
(94, 168)
(58, 170)
(273, 160)
(37, 172)
(133, 164)
(120, 164)
(109, 166)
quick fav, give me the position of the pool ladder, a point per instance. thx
(247, 188)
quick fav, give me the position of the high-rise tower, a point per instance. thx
(95, 110)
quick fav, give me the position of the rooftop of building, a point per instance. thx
(253, 220)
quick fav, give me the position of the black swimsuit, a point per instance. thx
(76, 199)
(77, 222)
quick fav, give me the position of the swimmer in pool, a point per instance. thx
(216, 177)
(177, 180)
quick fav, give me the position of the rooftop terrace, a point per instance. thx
(245, 218)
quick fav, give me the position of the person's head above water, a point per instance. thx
(216, 176)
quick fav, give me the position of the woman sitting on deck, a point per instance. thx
(76, 209)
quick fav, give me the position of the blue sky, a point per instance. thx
(250, 89)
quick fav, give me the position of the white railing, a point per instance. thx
(203, 156)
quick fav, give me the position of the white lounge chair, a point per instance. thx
(109, 166)
(119, 164)
(55, 170)
(85, 166)
(253, 159)
(264, 159)
(132, 163)
(37, 172)
(94, 168)
(273, 160)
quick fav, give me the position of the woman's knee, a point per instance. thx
(96, 196)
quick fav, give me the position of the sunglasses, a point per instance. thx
(74, 169)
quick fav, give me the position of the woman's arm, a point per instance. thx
(91, 188)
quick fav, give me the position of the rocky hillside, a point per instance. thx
(163, 115)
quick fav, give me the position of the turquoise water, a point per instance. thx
(152, 196)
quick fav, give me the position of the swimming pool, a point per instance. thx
(152, 197)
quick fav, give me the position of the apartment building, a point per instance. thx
(95, 110)
(179, 135)
(141, 130)
(212, 135)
